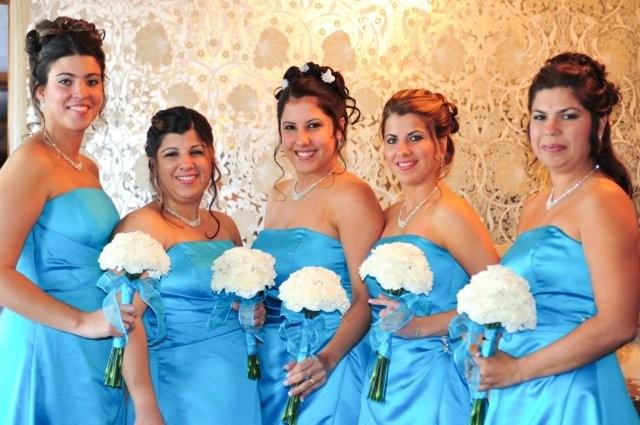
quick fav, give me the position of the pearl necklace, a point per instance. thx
(553, 202)
(296, 196)
(191, 223)
(403, 222)
(46, 138)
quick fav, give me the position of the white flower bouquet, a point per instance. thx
(309, 291)
(495, 299)
(129, 255)
(314, 289)
(246, 273)
(398, 267)
(135, 253)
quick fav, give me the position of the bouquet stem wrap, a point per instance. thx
(126, 285)
(410, 305)
(472, 333)
(252, 334)
(305, 339)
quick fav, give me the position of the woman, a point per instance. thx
(198, 374)
(55, 220)
(577, 246)
(324, 217)
(422, 384)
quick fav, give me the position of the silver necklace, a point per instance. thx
(47, 140)
(553, 202)
(402, 222)
(296, 196)
(191, 223)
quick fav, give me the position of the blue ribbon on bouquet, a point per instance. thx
(473, 333)
(303, 335)
(246, 315)
(221, 310)
(114, 284)
(382, 330)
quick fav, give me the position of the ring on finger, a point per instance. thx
(312, 381)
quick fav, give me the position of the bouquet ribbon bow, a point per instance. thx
(472, 333)
(303, 335)
(114, 284)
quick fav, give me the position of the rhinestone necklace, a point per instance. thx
(46, 138)
(296, 196)
(402, 222)
(553, 202)
(191, 223)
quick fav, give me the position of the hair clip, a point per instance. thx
(328, 77)
(285, 83)
(304, 67)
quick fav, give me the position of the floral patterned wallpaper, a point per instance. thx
(226, 57)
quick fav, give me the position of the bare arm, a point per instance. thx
(135, 365)
(359, 222)
(20, 206)
(135, 370)
(613, 258)
(463, 234)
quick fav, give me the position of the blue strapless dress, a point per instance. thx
(595, 394)
(199, 375)
(338, 401)
(423, 386)
(49, 376)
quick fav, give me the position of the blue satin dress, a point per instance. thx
(423, 386)
(595, 394)
(338, 401)
(49, 376)
(199, 375)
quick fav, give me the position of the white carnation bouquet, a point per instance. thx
(314, 289)
(309, 291)
(399, 268)
(498, 295)
(246, 273)
(494, 299)
(135, 253)
(126, 258)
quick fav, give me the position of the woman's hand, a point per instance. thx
(95, 325)
(308, 375)
(498, 371)
(395, 316)
(255, 319)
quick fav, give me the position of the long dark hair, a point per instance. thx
(327, 87)
(179, 120)
(52, 40)
(587, 80)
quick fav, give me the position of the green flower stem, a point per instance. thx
(478, 411)
(253, 367)
(290, 416)
(378, 385)
(113, 373)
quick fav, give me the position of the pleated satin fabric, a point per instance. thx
(554, 264)
(48, 376)
(423, 386)
(338, 401)
(199, 374)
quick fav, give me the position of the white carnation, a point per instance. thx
(243, 271)
(135, 253)
(498, 295)
(314, 289)
(399, 265)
